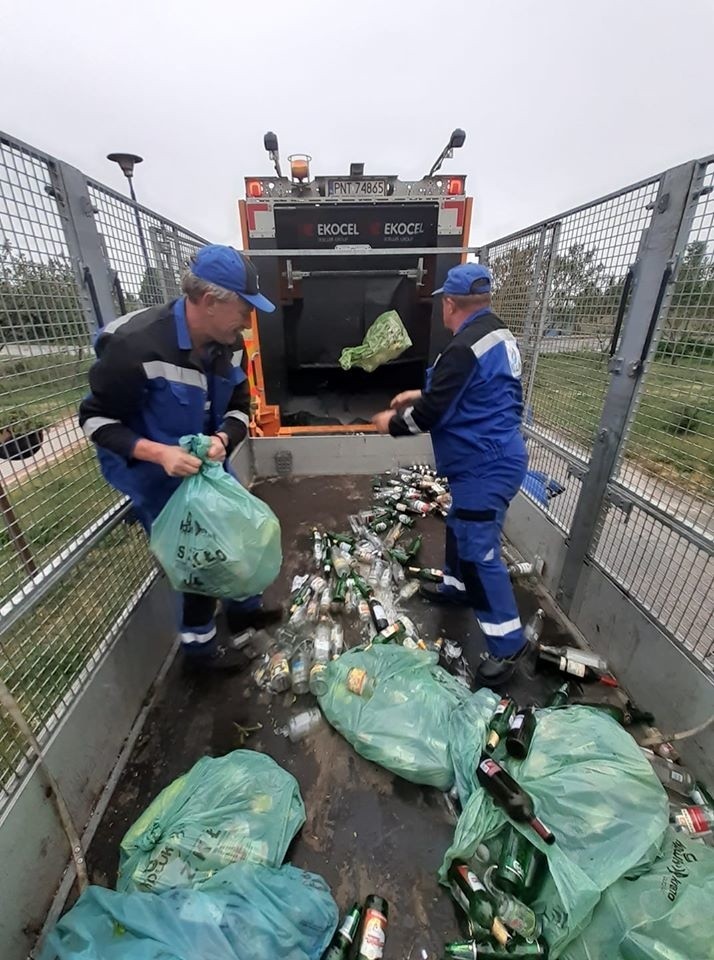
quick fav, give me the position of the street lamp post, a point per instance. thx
(127, 162)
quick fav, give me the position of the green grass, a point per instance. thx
(673, 432)
(46, 389)
(55, 505)
(45, 653)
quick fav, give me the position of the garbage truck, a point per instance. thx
(334, 252)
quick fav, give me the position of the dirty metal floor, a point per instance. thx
(367, 831)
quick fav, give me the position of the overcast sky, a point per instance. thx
(562, 100)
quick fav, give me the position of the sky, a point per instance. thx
(562, 101)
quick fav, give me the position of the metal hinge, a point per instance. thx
(577, 471)
(621, 502)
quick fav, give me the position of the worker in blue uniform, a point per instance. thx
(472, 406)
(170, 370)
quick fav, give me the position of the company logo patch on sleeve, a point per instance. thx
(514, 358)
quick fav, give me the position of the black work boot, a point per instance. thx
(495, 671)
(448, 596)
(222, 657)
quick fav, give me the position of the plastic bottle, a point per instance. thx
(373, 934)
(303, 723)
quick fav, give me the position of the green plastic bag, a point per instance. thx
(213, 536)
(413, 716)
(239, 807)
(242, 913)
(664, 914)
(592, 786)
(385, 340)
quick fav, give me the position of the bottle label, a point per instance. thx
(569, 666)
(694, 820)
(349, 926)
(373, 937)
(460, 897)
(501, 708)
(470, 878)
(517, 721)
(356, 680)
(489, 767)
(676, 776)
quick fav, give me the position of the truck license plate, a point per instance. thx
(357, 188)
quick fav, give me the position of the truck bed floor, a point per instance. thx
(367, 831)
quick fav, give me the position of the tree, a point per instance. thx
(151, 292)
(38, 299)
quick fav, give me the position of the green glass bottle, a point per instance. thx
(560, 697)
(361, 585)
(471, 895)
(428, 574)
(341, 944)
(500, 722)
(469, 950)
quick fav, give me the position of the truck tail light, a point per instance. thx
(454, 186)
(254, 188)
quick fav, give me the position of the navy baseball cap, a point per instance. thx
(229, 269)
(465, 280)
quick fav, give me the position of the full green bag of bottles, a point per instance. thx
(241, 807)
(385, 340)
(411, 719)
(663, 914)
(243, 912)
(213, 536)
(592, 786)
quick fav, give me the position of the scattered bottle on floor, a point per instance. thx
(303, 723)
(508, 793)
(318, 547)
(519, 571)
(519, 865)
(318, 679)
(575, 655)
(520, 733)
(533, 630)
(470, 950)
(512, 913)
(373, 934)
(322, 644)
(471, 895)
(500, 722)
(409, 589)
(337, 639)
(671, 775)
(279, 672)
(359, 681)
(379, 617)
(341, 944)
(697, 821)
(427, 574)
(560, 697)
(300, 672)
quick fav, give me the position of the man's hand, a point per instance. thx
(217, 450)
(177, 463)
(382, 420)
(406, 399)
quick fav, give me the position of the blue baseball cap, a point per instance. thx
(229, 269)
(465, 280)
